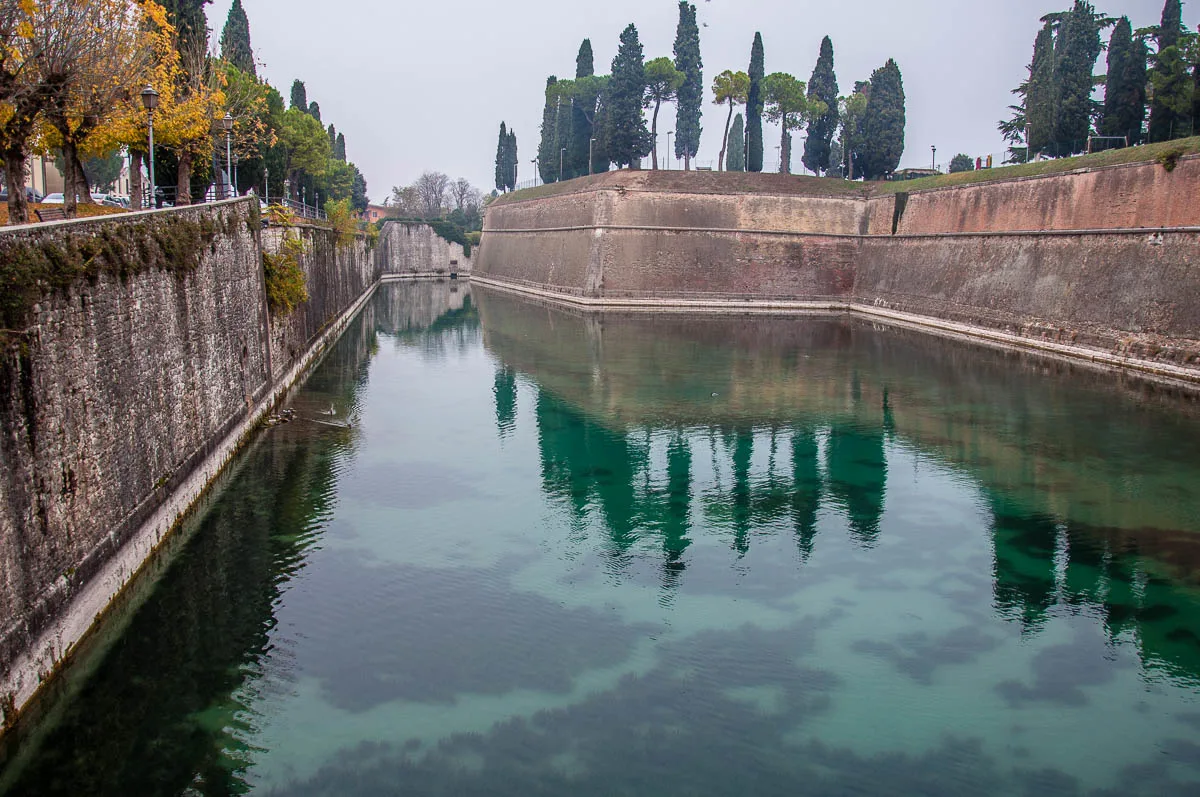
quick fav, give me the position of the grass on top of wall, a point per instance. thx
(85, 211)
(1165, 152)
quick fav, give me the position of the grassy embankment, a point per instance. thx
(738, 182)
(85, 211)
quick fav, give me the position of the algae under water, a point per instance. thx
(662, 555)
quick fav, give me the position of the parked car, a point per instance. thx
(30, 195)
(54, 199)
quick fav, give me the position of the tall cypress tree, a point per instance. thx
(299, 96)
(822, 86)
(191, 24)
(754, 107)
(1075, 61)
(583, 111)
(736, 160)
(1170, 108)
(235, 39)
(628, 139)
(331, 131)
(1125, 92)
(502, 158)
(339, 148)
(883, 123)
(511, 159)
(1039, 98)
(547, 154)
(314, 110)
(690, 97)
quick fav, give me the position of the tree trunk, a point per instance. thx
(71, 179)
(785, 150)
(687, 162)
(654, 136)
(14, 177)
(725, 141)
(183, 188)
(81, 181)
(135, 179)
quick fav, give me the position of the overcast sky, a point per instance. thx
(420, 85)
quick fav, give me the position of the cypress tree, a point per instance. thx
(502, 158)
(754, 108)
(191, 24)
(1125, 93)
(511, 158)
(1075, 61)
(1039, 98)
(585, 63)
(583, 110)
(690, 97)
(1169, 110)
(314, 110)
(235, 39)
(883, 123)
(736, 160)
(628, 139)
(547, 155)
(822, 86)
(331, 131)
(339, 148)
(299, 96)
(1171, 25)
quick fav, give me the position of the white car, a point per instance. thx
(54, 199)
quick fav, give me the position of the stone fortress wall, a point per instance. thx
(131, 384)
(1099, 264)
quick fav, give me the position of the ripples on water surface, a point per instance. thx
(566, 554)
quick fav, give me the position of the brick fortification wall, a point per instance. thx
(130, 386)
(1054, 261)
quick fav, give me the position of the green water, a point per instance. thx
(674, 555)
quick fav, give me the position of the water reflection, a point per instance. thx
(843, 399)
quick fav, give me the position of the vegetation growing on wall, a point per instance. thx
(285, 281)
(33, 266)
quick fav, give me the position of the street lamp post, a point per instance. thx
(267, 184)
(535, 170)
(591, 149)
(227, 123)
(668, 158)
(934, 157)
(561, 156)
(150, 102)
(235, 176)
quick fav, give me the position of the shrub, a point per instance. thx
(341, 219)
(285, 281)
(962, 163)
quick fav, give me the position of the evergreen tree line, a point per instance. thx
(592, 122)
(1152, 83)
(294, 153)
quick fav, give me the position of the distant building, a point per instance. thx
(376, 212)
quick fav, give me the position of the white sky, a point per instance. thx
(420, 84)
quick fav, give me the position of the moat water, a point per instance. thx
(506, 549)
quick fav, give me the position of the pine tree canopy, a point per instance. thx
(822, 86)
(235, 39)
(628, 140)
(754, 107)
(689, 106)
